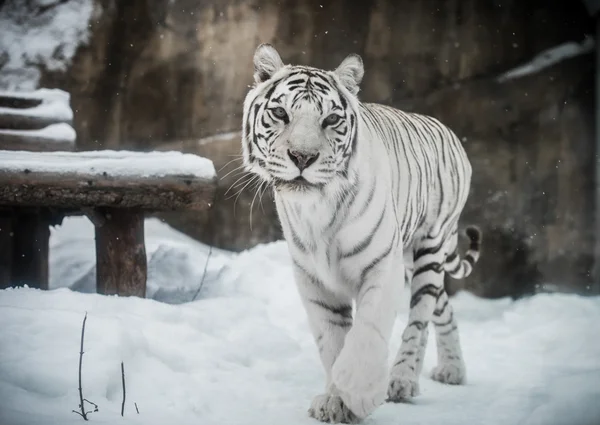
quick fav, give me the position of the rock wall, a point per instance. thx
(160, 75)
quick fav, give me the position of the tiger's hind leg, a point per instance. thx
(451, 366)
(427, 283)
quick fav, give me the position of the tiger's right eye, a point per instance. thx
(280, 113)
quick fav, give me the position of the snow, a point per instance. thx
(550, 57)
(175, 261)
(113, 163)
(54, 132)
(242, 352)
(55, 104)
(40, 34)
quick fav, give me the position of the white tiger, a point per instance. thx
(365, 194)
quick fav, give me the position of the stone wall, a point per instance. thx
(162, 75)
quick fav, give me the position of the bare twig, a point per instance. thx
(83, 413)
(94, 404)
(210, 248)
(136, 409)
(123, 379)
(211, 218)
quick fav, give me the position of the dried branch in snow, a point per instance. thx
(83, 413)
(123, 379)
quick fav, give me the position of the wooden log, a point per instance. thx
(30, 249)
(80, 191)
(6, 249)
(121, 254)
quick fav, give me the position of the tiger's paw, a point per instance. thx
(449, 373)
(332, 409)
(402, 388)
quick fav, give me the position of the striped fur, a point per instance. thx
(366, 194)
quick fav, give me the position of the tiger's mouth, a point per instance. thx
(298, 184)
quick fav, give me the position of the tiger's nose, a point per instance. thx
(302, 160)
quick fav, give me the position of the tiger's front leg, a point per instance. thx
(360, 373)
(330, 319)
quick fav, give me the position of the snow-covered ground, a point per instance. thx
(242, 353)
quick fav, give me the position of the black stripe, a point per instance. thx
(313, 279)
(344, 310)
(418, 324)
(340, 323)
(448, 332)
(450, 258)
(346, 197)
(367, 241)
(447, 322)
(456, 269)
(429, 289)
(433, 266)
(428, 251)
(376, 261)
(295, 238)
(440, 311)
(367, 203)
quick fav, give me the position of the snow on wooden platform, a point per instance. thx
(152, 181)
(108, 163)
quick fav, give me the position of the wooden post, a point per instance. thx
(6, 249)
(121, 254)
(31, 238)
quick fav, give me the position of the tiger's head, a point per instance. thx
(300, 123)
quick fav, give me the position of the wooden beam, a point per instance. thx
(30, 249)
(77, 191)
(121, 267)
(80, 190)
(6, 249)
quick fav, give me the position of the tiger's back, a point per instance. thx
(427, 163)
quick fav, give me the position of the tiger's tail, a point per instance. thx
(459, 268)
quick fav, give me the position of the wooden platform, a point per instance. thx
(112, 188)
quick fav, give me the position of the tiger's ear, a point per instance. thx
(350, 72)
(266, 62)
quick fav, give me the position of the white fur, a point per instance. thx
(325, 226)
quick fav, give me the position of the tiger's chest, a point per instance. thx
(326, 262)
(323, 249)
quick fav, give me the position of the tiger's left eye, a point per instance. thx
(279, 112)
(331, 119)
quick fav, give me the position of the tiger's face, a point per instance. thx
(300, 124)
